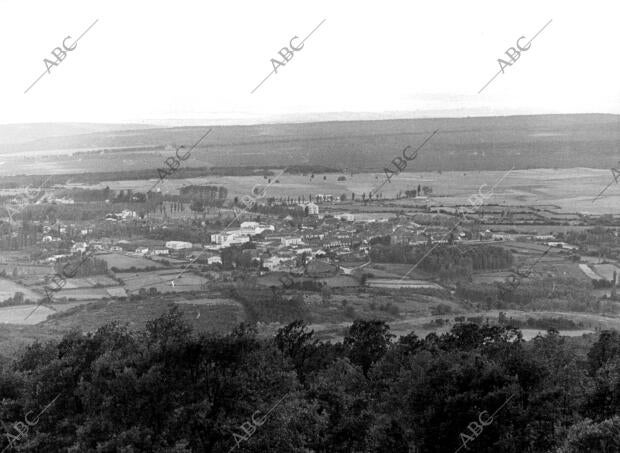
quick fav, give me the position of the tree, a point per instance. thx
(606, 348)
(326, 293)
(197, 206)
(295, 341)
(18, 298)
(391, 438)
(366, 342)
(603, 437)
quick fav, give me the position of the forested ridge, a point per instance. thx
(168, 389)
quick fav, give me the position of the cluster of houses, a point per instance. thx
(125, 214)
(238, 236)
(343, 237)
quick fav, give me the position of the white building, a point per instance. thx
(249, 225)
(230, 238)
(78, 247)
(219, 238)
(160, 252)
(251, 228)
(562, 245)
(178, 245)
(62, 201)
(54, 258)
(142, 250)
(262, 228)
(215, 259)
(313, 209)
(273, 262)
(288, 241)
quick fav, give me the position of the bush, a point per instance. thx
(441, 309)
(349, 311)
(390, 308)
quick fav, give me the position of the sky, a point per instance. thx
(193, 62)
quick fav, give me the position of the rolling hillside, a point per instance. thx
(481, 143)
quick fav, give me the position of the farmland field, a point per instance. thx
(90, 293)
(398, 283)
(394, 270)
(89, 282)
(161, 280)
(207, 302)
(219, 317)
(8, 289)
(587, 270)
(33, 313)
(569, 190)
(606, 271)
(490, 277)
(126, 262)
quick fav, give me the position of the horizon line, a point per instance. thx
(250, 121)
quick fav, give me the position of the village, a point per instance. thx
(328, 241)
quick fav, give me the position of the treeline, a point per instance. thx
(592, 236)
(449, 262)
(271, 306)
(13, 182)
(547, 293)
(204, 192)
(596, 241)
(271, 208)
(544, 323)
(82, 268)
(165, 389)
(18, 237)
(195, 235)
(234, 256)
(307, 285)
(17, 299)
(70, 212)
(310, 169)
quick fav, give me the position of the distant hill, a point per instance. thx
(27, 132)
(483, 143)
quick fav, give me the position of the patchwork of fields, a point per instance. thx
(8, 289)
(123, 261)
(161, 280)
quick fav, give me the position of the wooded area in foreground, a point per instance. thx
(167, 389)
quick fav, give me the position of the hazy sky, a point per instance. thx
(150, 60)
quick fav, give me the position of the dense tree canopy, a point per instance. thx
(447, 261)
(166, 389)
